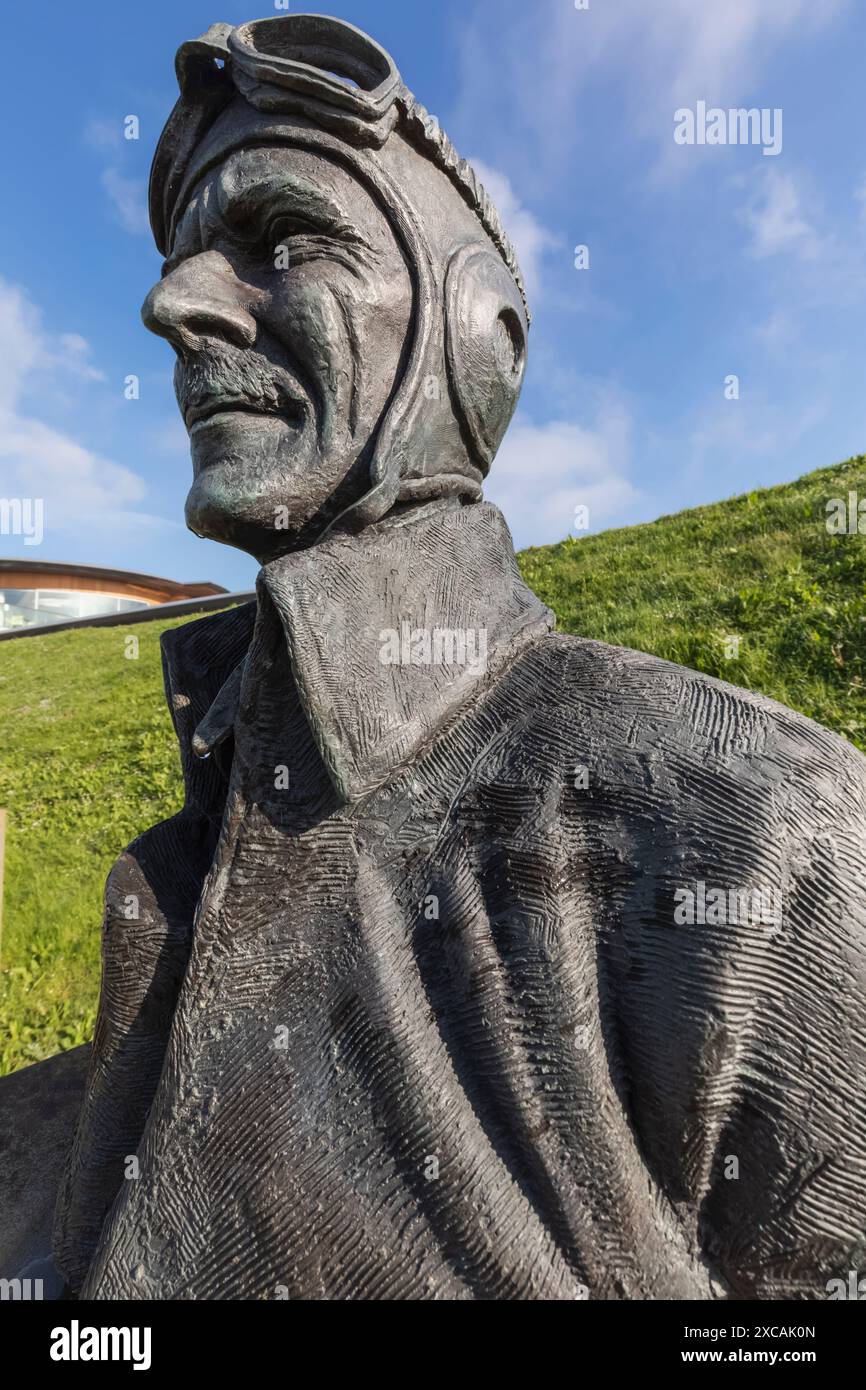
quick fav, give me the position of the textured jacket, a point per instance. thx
(493, 964)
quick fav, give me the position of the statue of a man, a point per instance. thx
(482, 962)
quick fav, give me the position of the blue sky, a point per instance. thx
(704, 261)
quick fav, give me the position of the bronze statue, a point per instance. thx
(482, 962)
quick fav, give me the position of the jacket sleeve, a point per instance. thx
(150, 899)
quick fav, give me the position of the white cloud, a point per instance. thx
(45, 463)
(21, 344)
(29, 359)
(777, 220)
(708, 49)
(543, 472)
(103, 135)
(80, 488)
(755, 426)
(525, 72)
(128, 198)
(127, 195)
(529, 238)
(779, 331)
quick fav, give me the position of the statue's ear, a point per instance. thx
(485, 341)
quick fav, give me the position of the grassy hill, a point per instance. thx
(89, 759)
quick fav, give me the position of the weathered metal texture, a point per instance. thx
(412, 1006)
(39, 1107)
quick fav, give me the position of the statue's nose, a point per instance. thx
(201, 298)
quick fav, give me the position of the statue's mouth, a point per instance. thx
(206, 385)
(207, 411)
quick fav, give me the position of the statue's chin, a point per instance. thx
(258, 482)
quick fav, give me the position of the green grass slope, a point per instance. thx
(761, 568)
(89, 759)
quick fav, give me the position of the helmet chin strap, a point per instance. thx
(389, 451)
(388, 486)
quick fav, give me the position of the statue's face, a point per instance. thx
(287, 301)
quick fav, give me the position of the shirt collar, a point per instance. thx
(391, 633)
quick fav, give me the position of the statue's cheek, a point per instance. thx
(315, 316)
(302, 312)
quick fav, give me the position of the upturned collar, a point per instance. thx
(391, 633)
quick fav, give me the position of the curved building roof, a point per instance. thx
(147, 588)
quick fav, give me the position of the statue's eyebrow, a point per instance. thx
(252, 199)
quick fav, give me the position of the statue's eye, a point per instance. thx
(284, 229)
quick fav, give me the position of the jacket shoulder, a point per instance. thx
(640, 701)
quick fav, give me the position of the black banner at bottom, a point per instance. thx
(64, 1338)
